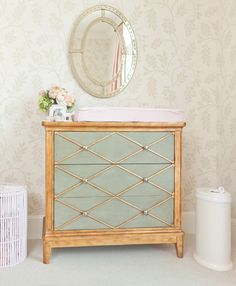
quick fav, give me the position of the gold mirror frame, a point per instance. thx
(76, 51)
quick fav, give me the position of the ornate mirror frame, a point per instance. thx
(102, 89)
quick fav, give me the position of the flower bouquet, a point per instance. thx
(55, 95)
(57, 102)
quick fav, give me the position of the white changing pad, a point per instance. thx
(128, 114)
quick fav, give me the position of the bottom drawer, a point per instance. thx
(77, 213)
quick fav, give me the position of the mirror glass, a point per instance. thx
(103, 51)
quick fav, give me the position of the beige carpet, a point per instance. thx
(155, 265)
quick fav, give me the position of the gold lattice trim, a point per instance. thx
(113, 164)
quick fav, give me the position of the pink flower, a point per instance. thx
(42, 93)
(56, 91)
(69, 100)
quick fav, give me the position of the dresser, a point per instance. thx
(112, 183)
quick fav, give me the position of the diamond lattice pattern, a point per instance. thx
(113, 180)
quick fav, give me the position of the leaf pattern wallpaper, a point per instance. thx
(186, 60)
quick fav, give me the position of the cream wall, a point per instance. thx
(187, 60)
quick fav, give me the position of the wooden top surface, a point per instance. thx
(109, 124)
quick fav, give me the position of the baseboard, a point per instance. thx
(188, 219)
(35, 225)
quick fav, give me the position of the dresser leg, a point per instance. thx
(179, 246)
(47, 252)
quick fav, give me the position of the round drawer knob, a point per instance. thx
(145, 147)
(145, 180)
(84, 213)
(85, 181)
(145, 212)
(85, 147)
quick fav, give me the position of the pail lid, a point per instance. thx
(214, 195)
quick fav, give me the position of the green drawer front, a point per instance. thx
(110, 147)
(113, 196)
(100, 180)
(106, 212)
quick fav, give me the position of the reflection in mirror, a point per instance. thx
(103, 51)
(99, 51)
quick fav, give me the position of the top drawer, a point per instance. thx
(114, 147)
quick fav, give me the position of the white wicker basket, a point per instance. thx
(13, 224)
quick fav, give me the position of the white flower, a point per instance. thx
(60, 99)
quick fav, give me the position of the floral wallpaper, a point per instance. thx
(187, 60)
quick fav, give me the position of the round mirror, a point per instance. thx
(103, 51)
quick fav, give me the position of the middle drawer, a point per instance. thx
(130, 179)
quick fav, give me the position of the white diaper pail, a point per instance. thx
(13, 224)
(213, 228)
